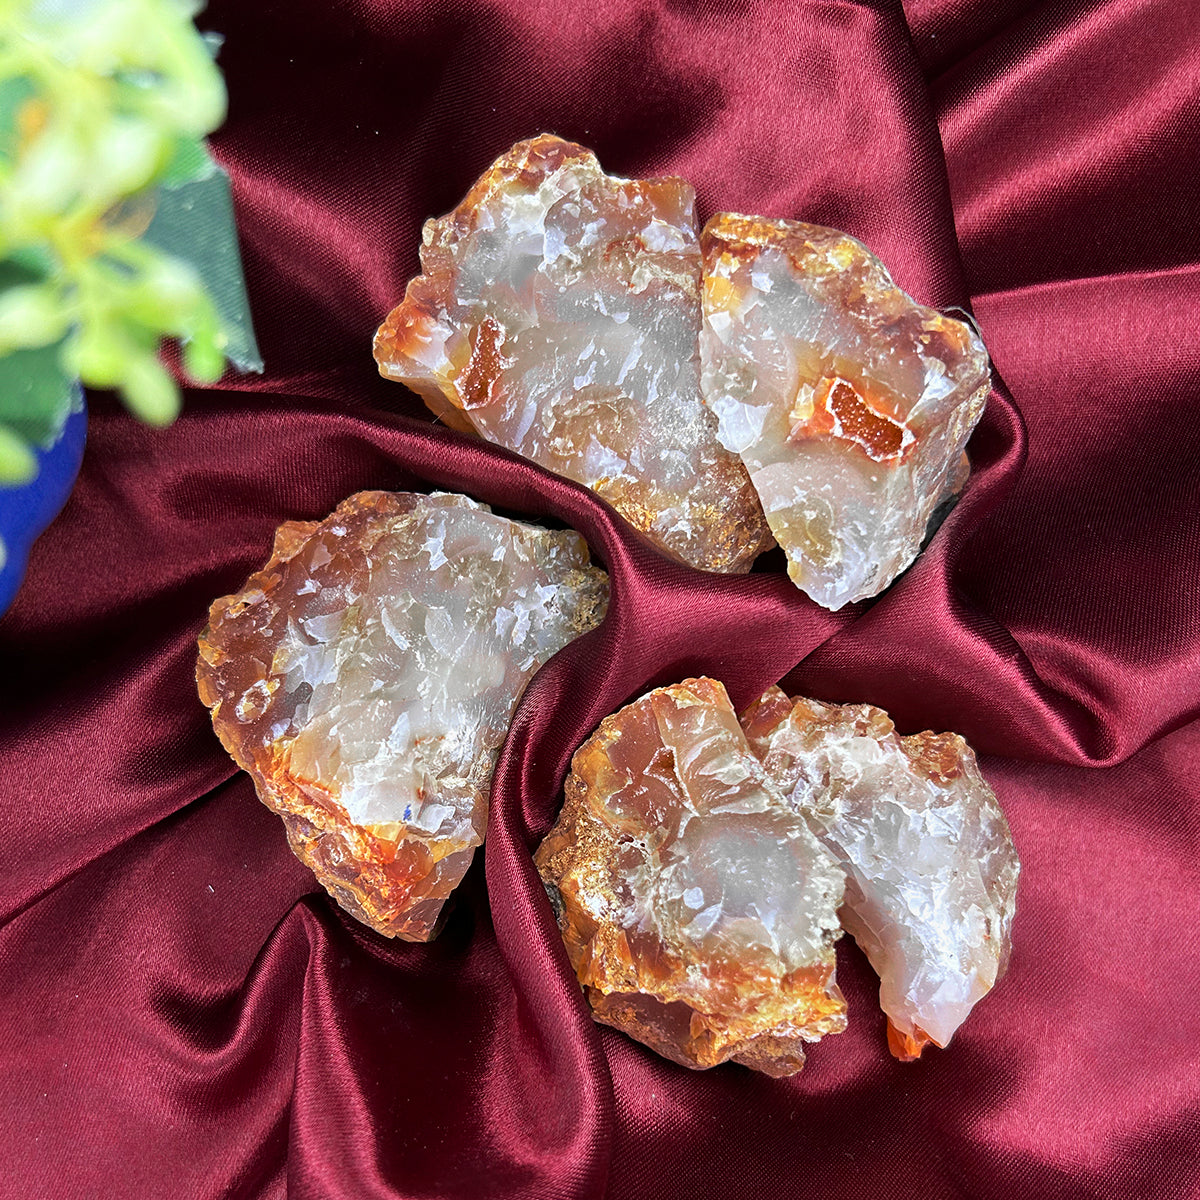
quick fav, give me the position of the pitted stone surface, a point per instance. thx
(849, 403)
(931, 870)
(366, 676)
(558, 314)
(697, 908)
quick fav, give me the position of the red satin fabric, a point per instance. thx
(185, 1014)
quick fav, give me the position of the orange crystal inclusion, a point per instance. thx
(479, 377)
(840, 409)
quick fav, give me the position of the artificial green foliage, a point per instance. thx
(193, 220)
(104, 105)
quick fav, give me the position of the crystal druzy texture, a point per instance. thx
(698, 910)
(559, 315)
(931, 870)
(366, 676)
(849, 403)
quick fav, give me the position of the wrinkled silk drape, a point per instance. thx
(183, 1013)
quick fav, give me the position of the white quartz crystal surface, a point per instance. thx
(367, 675)
(848, 402)
(931, 870)
(558, 314)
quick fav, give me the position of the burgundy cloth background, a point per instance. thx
(184, 1014)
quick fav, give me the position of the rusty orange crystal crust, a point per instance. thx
(366, 676)
(848, 402)
(697, 908)
(931, 870)
(558, 314)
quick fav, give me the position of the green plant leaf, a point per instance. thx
(36, 394)
(189, 161)
(193, 220)
(18, 464)
(14, 91)
(25, 266)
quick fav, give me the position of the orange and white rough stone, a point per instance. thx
(698, 910)
(849, 403)
(931, 870)
(558, 314)
(366, 676)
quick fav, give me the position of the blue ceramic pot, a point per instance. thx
(26, 511)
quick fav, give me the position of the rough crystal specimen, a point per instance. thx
(849, 403)
(698, 910)
(931, 870)
(365, 678)
(559, 315)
